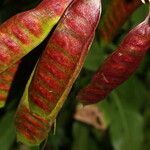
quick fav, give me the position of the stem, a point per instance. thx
(44, 144)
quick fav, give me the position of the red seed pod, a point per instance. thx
(24, 31)
(63, 57)
(116, 15)
(6, 79)
(119, 66)
(58, 68)
(30, 128)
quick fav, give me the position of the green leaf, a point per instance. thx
(7, 131)
(146, 140)
(126, 126)
(81, 135)
(132, 94)
(82, 138)
(140, 14)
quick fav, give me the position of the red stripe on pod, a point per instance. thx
(4, 56)
(37, 101)
(59, 57)
(44, 92)
(4, 87)
(120, 65)
(31, 23)
(65, 41)
(6, 80)
(55, 71)
(52, 83)
(18, 33)
(10, 43)
(72, 45)
(115, 16)
(30, 126)
(55, 6)
(78, 24)
(24, 31)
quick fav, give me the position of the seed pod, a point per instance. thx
(116, 15)
(63, 58)
(23, 32)
(6, 79)
(58, 67)
(119, 66)
(22, 36)
(31, 128)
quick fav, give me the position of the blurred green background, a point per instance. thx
(125, 113)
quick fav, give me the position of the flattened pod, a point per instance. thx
(63, 58)
(59, 65)
(6, 79)
(21, 28)
(31, 128)
(23, 32)
(119, 66)
(116, 15)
